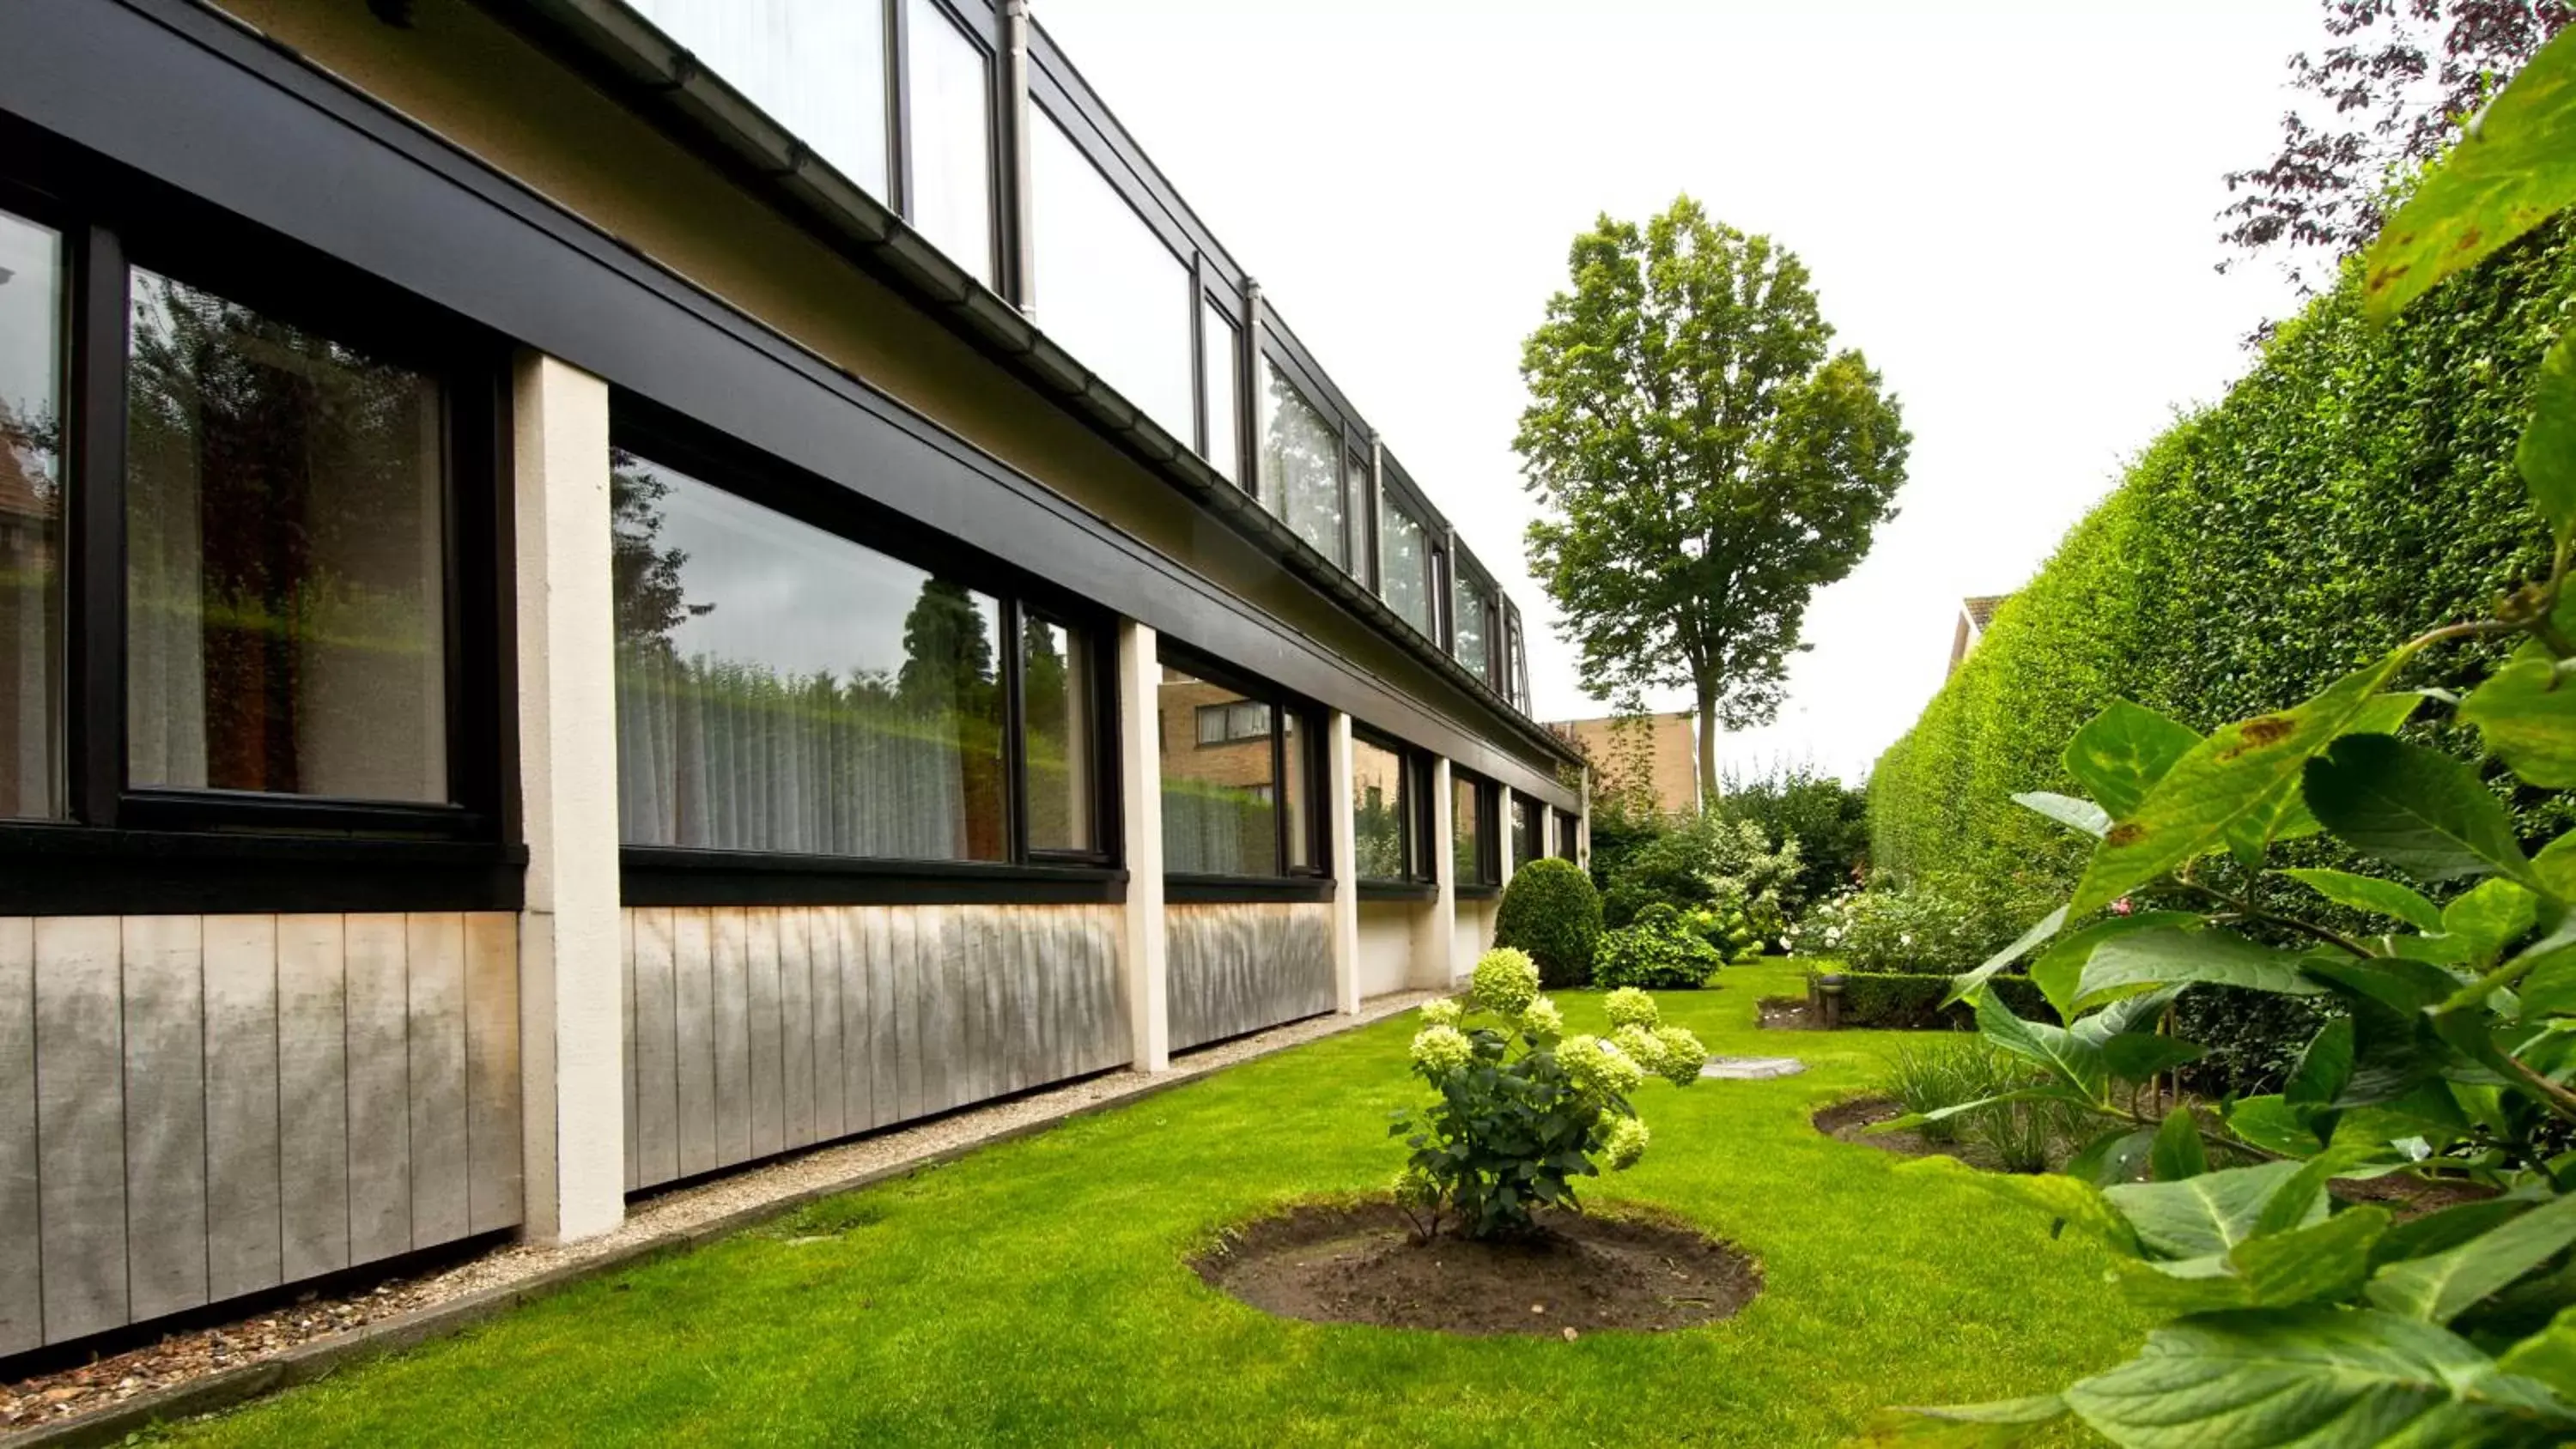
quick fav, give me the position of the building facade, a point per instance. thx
(1649, 759)
(598, 592)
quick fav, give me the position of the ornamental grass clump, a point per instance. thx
(1523, 1108)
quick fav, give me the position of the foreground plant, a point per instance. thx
(2453, 1042)
(1523, 1108)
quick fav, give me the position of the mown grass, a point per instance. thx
(1037, 1292)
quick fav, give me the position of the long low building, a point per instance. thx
(591, 593)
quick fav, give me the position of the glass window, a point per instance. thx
(31, 519)
(1380, 804)
(1296, 774)
(1220, 815)
(783, 689)
(816, 66)
(1058, 751)
(1107, 287)
(1219, 372)
(1515, 674)
(1404, 565)
(1470, 627)
(951, 137)
(1470, 855)
(1301, 466)
(1526, 844)
(285, 558)
(1569, 834)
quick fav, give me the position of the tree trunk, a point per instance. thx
(1707, 746)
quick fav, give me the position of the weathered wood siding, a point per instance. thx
(756, 1030)
(197, 1107)
(1231, 969)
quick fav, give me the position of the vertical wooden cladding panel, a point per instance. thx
(195, 1108)
(1237, 968)
(849, 1018)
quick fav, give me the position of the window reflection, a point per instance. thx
(783, 689)
(1470, 625)
(285, 558)
(816, 66)
(1469, 831)
(31, 519)
(1056, 684)
(1220, 811)
(1108, 289)
(1219, 374)
(1379, 801)
(1404, 566)
(1301, 466)
(951, 138)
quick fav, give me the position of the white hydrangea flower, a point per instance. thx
(1443, 1012)
(1628, 1006)
(1681, 1057)
(1505, 982)
(1598, 1068)
(1641, 1047)
(1627, 1143)
(1440, 1050)
(1541, 1018)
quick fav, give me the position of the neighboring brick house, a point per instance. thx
(1655, 755)
(1975, 613)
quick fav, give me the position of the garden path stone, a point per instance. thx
(1751, 1069)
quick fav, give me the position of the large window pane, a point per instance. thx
(1404, 566)
(285, 546)
(1526, 845)
(1218, 373)
(951, 137)
(1220, 813)
(1469, 830)
(1293, 792)
(1107, 287)
(1301, 465)
(31, 519)
(1470, 626)
(780, 688)
(816, 66)
(1056, 682)
(1379, 802)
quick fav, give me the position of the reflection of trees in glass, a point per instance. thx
(1301, 466)
(1377, 826)
(650, 598)
(1406, 568)
(947, 649)
(1056, 716)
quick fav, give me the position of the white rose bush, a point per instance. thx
(1523, 1108)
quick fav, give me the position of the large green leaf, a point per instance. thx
(2483, 921)
(2369, 893)
(2324, 1262)
(2272, 1125)
(2284, 814)
(1968, 981)
(2116, 1156)
(2126, 1015)
(2122, 752)
(1965, 1426)
(2514, 169)
(2438, 1288)
(2082, 816)
(2073, 1060)
(2138, 1056)
(2172, 955)
(2202, 1216)
(2556, 867)
(2446, 1228)
(2057, 970)
(2527, 714)
(2178, 1153)
(2319, 1377)
(2548, 1356)
(2324, 1065)
(2226, 775)
(2546, 458)
(2416, 808)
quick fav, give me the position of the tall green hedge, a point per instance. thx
(2356, 486)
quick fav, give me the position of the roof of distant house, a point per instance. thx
(1981, 608)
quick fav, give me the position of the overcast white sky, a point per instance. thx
(2006, 203)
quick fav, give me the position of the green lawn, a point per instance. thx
(1036, 1292)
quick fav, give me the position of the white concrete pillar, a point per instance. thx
(1546, 828)
(1140, 784)
(1508, 840)
(571, 980)
(1344, 834)
(1583, 827)
(1435, 930)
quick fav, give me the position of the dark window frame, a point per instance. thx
(683, 875)
(1569, 837)
(1413, 813)
(1529, 836)
(120, 848)
(1489, 862)
(1292, 882)
(999, 269)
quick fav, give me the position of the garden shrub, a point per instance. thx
(1702, 859)
(1828, 819)
(1524, 1109)
(1660, 952)
(1918, 928)
(1551, 911)
(1903, 1001)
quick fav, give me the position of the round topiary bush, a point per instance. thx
(1552, 911)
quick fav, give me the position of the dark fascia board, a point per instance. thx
(627, 51)
(199, 101)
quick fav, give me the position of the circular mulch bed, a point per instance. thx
(1581, 1273)
(1851, 1121)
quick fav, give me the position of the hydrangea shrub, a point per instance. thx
(1523, 1108)
(1660, 951)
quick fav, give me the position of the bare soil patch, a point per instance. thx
(1788, 1013)
(1851, 1121)
(1580, 1273)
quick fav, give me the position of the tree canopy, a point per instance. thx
(1704, 459)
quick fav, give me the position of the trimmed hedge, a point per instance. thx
(1891, 1001)
(2355, 487)
(1551, 910)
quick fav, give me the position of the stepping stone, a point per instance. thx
(1752, 1069)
